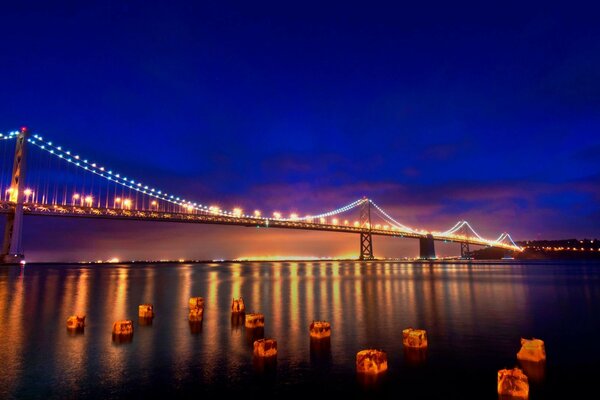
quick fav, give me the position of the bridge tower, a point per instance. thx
(366, 238)
(427, 248)
(12, 251)
(465, 251)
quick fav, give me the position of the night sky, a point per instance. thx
(489, 113)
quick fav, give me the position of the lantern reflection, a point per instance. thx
(415, 356)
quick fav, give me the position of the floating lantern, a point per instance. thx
(76, 322)
(532, 350)
(123, 328)
(255, 320)
(146, 311)
(320, 329)
(414, 338)
(237, 306)
(196, 314)
(196, 302)
(371, 361)
(513, 383)
(265, 348)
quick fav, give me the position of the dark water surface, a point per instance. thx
(474, 315)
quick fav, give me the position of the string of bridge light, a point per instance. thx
(9, 135)
(331, 213)
(503, 236)
(117, 178)
(76, 160)
(108, 174)
(459, 225)
(391, 220)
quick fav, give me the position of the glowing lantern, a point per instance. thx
(513, 382)
(76, 322)
(371, 361)
(320, 329)
(196, 302)
(123, 328)
(146, 311)
(532, 350)
(196, 314)
(414, 338)
(255, 320)
(265, 348)
(237, 306)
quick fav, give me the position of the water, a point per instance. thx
(474, 315)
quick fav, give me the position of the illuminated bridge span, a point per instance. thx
(61, 183)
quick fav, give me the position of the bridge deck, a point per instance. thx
(73, 211)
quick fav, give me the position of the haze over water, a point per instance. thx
(474, 315)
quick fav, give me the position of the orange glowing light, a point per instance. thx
(255, 320)
(265, 348)
(532, 350)
(371, 361)
(237, 305)
(320, 329)
(514, 383)
(414, 338)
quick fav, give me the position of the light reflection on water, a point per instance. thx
(474, 314)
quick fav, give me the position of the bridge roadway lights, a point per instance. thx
(427, 248)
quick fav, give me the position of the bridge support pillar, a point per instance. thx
(427, 248)
(366, 238)
(465, 252)
(12, 250)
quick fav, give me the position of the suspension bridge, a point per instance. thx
(61, 183)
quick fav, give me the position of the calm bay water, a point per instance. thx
(474, 314)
